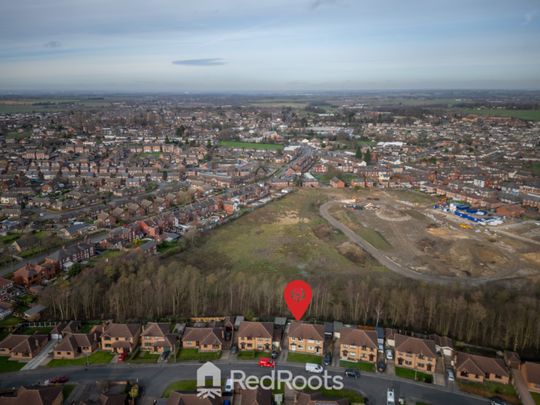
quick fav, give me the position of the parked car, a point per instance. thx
(450, 374)
(497, 401)
(381, 366)
(390, 399)
(228, 335)
(352, 373)
(228, 390)
(59, 380)
(266, 362)
(327, 360)
(389, 354)
(275, 354)
(122, 357)
(314, 368)
(234, 349)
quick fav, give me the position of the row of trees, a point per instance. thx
(145, 289)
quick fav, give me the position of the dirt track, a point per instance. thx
(382, 258)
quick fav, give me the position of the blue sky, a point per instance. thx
(250, 45)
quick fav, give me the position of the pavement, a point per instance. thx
(521, 388)
(156, 377)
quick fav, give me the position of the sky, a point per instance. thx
(262, 45)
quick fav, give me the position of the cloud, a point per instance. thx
(529, 17)
(314, 4)
(53, 44)
(200, 62)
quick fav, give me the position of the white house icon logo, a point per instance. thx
(208, 370)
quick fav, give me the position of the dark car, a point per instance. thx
(497, 401)
(352, 373)
(275, 354)
(59, 380)
(381, 366)
(327, 359)
(234, 349)
(228, 335)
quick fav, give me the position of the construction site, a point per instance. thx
(421, 238)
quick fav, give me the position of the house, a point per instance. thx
(186, 398)
(358, 345)
(531, 375)
(258, 396)
(337, 183)
(49, 395)
(75, 344)
(316, 398)
(157, 338)
(444, 345)
(256, 336)
(415, 353)
(306, 338)
(120, 337)
(476, 368)
(63, 328)
(22, 347)
(32, 274)
(6, 287)
(203, 339)
(34, 313)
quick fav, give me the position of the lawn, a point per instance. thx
(413, 375)
(45, 330)
(67, 390)
(251, 145)
(98, 357)
(413, 196)
(353, 396)
(195, 355)
(251, 354)
(9, 238)
(7, 365)
(304, 358)
(489, 389)
(141, 356)
(361, 365)
(536, 397)
(9, 322)
(188, 385)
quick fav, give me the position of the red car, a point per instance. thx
(266, 362)
(122, 357)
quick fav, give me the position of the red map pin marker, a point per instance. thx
(298, 297)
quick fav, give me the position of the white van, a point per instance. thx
(314, 368)
(390, 397)
(228, 390)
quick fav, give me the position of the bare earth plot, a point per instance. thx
(409, 237)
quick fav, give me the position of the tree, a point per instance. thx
(358, 153)
(367, 156)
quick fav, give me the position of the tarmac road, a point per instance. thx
(156, 377)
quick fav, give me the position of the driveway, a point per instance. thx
(521, 388)
(41, 357)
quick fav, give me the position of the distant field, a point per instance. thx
(251, 145)
(280, 103)
(49, 105)
(532, 115)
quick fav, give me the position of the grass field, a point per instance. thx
(353, 396)
(536, 397)
(7, 365)
(188, 385)
(251, 355)
(98, 357)
(304, 358)
(361, 365)
(373, 237)
(272, 240)
(530, 115)
(251, 145)
(489, 389)
(413, 375)
(195, 355)
(142, 357)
